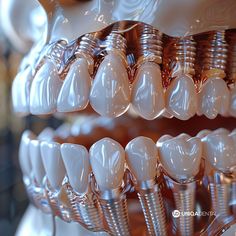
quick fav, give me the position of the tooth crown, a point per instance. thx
(181, 157)
(45, 89)
(76, 160)
(147, 89)
(220, 150)
(36, 161)
(110, 93)
(53, 164)
(74, 94)
(24, 157)
(107, 158)
(141, 156)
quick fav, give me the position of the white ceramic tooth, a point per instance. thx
(232, 105)
(147, 92)
(53, 163)
(74, 94)
(181, 157)
(141, 157)
(45, 89)
(221, 131)
(21, 91)
(76, 160)
(46, 135)
(24, 158)
(110, 92)
(203, 133)
(107, 159)
(181, 98)
(220, 150)
(36, 160)
(213, 98)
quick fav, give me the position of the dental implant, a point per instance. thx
(180, 158)
(214, 94)
(147, 95)
(74, 94)
(231, 70)
(141, 156)
(223, 162)
(181, 92)
(85, 206)
(56, 181)
(107, 158)
(110, 91)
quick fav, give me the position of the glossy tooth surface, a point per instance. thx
(53, 163)
(107, 159)
(36, 160)
(76, 160)
(24, 157)
(232, 106)
(74, 94)
(180, 156)
(110, 92)
(45, 89)
(213, 99)
(141, 157)
(220, 150)
(181, 98)
(203, 133)
(46, 135)
(21, 91)
(147, 93)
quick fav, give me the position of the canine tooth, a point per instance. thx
(53, 163)
(110, 92)
(36, 160)
(141, 157)
(24, 158)
(220, 150)
(181, 98)
(76, 160)
(147, 92)
(214, 98)
(181, 157)
(21, 91)
(232, 106)
(45, 89)
(74, 94)
(107, 159)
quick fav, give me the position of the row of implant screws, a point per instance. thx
(213, 50)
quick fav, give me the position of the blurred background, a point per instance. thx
(17, 35)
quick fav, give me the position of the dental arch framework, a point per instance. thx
(131, 68)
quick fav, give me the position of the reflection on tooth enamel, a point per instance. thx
(213, 98)
(21, 90)
(45, 89)
(36, 161)
(76, 160)
(74, 94)
(110, 92)
(141, 154)
(53, 164)
(24, 156)
(220, 150)
(181, 97)
(107, 159)
(147, 91)
(180, 157)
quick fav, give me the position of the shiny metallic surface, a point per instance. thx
(153, 209)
